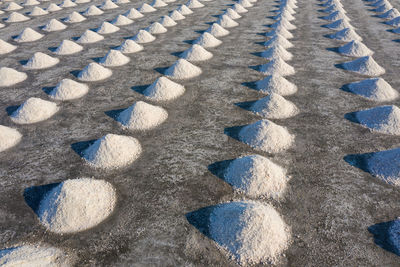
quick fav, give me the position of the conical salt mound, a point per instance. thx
(277, 66)
(112, 151)
(107, 28)
(184, 10)
(121, 20)
(256, 176)
(41, 61)
(384, 119)
(34, 110)
(25, 255)
(167, 21)
(196, 53)
(76, 205)
(266, 136)
(164, 89)
(31, 3)
(274, 106)
(339, 24)
(277, 52)
(334, 7)
(143, 37)
(145, 8)
(53, 8)
(82, 1)
(12, 6)
(207, 40)
(133, 14)
(281, 31)
(37, 11)
(9, 77)
(394, 22)
(6, 47)
(226, 22)
(89, 37)
(156, 28)
(67, 3)
(169, 1)
(376, 89)
(74, 17)
(390, 14)
(283, 23)
(130, 46)
(239, 8)
(183, 69)
(278, 40)
(108, 4)
(9, 137)
(114, 58)
(68, 48)
(365, 66)
(335, 16)
(288, 9)
(16, 17)
(93, 11)
(194, 4)
(232, 14)
(245, 3)
(383, 8)
(121, 1)
(285, 15)
(250, 232)
(276, 84)
(158, 3)
(68, 89)
(355, 49)
(54, 25)
(346, 35)
(94, 72)
(216, 30)
(142, 116)
(175, 15)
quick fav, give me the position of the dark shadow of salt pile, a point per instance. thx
(80, 147)
(351, 116)
(201, 220)
(48, 90)
(11, 109)
(387, 235)
(33, 195)
(219, 168)
(333, 49)
(234, 131)
(113, 114)
(245, 105)
(140, 88)
(161, 70)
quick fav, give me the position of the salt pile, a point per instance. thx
(245, 3)
(121, 20)
(256, 176)
(68, 89)
(232, 14)
(114, 58)
(334, 7)
(376, 89)
(10, 76)
(338, 25)
(33, 256)
(74, 17)
(67, 3)
(108, 4)
(89, 37)
(384, 119)
(281, 31)
(239, 8)
(16, 17)
(145, 8)
(112, 151)
(391, 14)
(129, 46)
(53, 8)
(37, 11)
(175, 15)
(34, 110)
(226, 22)
(274, 106)
(68, 48)
(9, 137)
(164, 89)
(283, 23)
(93, 11)
(133, 14)
(54, 25)
(365, 66)
(335, 16)
(276, 84)
(94, 72)
(41, 61)
(142, 116)
(184, 10)
(82, 1)
(355, 49)
(194, 4)
(196, 53)
(156, 28)
(285, 15)
(183, 69)
(383, 8)
(251, 232)
(167, 21)
(278, 40)
(143, 37)
(6, 47)
(266, 136)
(277, 66)
(121, 1)
(216, 30)
(107, 28)
(158, 3)
(277, 52)
(207, 40)
(12, 6)
(346, 35)
(394, 22)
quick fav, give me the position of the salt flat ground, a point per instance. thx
(329, 204)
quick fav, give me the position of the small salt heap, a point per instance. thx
(107, 28)
(274, 106)
(277, 52)
(167, 21)
(276, 84)
(145, 8)
(183, 69)
(74, 17)
(158, 3)
(94, 72)
(121, 1)
(245, 3)
(112, 151)
(6, 47)
(53, 8)
(226, 22)
(114, 58)
(216, 30)
(156, 28)
(196, 53)
(364, 66)
(89, 37)
(175, 15)
(232, 14)
(41, 61)
(9, 137)
(164, 89)
(339, 24)
(376, 89)
(82, 1)
(108, 4)
(277, 66)
(37, 11)
(194, 4)
(34, 110)
(184, 10)
(394, 22)
(121, 20)
(16, 17)
(133, 14)
(284, 15)
(68, 48)
(239, 8)
(142, 116)
(207, 40)
(390, 14)
(355, 49)
(280, 31)
(143, 37)
(335, 16)
(278, 40)
(9, 77)
(67, 3)
(266, 136)
(130, 46)
(346, 35)
(12, 6)
(93, 11)
(68, 90)
(54, 25)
